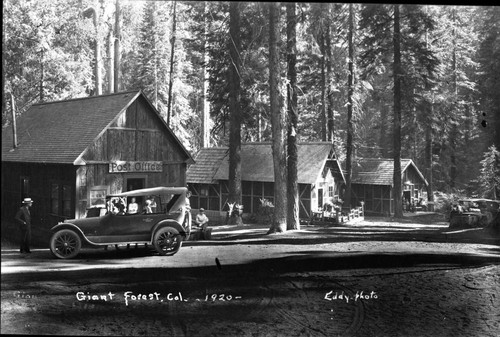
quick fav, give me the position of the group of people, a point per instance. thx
(411, 206)
(119, 206)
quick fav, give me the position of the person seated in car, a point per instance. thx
(201, 219)
(147, 207)
(121, 206)
(133, 207)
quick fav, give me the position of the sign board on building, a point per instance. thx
(135, 166)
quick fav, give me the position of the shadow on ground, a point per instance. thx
(302, 261)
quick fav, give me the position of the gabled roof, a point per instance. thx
(59, 132)
(257, 163)
(376, 171)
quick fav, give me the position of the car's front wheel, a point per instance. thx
(167, 241)
(65, 244)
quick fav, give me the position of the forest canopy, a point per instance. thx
(178, 54)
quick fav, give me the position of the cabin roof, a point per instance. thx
(212, 164)
(377, 171)
(59, 132)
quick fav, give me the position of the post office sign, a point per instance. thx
(135, 166)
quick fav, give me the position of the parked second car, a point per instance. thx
(468, 213)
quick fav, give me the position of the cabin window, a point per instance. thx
(204, 191)
(25, 187)
(60, 199)
(330, 191)
(268, 190)
(246, 188)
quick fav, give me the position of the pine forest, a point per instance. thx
(377, 80)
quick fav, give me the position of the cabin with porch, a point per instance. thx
(319, 177)
(372, 184)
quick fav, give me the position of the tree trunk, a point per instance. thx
(453, 108)
(235, 111)
(172, 59)
(277, 122)
(428, 142)
(42, 72)
(117, 47)
(350, 93)
(97, 50)
(293, 221)
(329, 76)
(383, 137)
(4, 64)
(398, 204)
(205, 127)
(428, 155)
(111, 69)
(323, 87)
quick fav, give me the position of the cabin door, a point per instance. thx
(320, 198)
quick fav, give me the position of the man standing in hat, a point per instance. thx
(23, 218)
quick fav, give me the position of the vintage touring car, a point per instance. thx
(163, 221)
(473, 213)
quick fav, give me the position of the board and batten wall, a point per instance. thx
(136, 135)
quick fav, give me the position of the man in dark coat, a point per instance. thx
(23, 218)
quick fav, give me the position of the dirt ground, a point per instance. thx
(375, 277)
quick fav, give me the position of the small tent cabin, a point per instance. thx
(372, 184)
(319, 177)
(70, 154)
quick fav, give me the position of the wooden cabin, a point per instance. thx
(70, 154)
(372, 184)
(319, 177)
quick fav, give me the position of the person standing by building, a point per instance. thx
(23, 218)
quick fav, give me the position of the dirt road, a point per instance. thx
(372, 278)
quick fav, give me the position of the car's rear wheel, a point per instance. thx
(65, 244)
(167, 241)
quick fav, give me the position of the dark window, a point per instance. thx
(204, 202)
(25, 187)
(61, 200)
(247, 204)
(214, 203)
(268, 190)
(246, 187)
(54, 199)
(213, 192)
(386, 192)
(224, 187)
(257, 189)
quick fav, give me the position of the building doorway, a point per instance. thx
(136, 184)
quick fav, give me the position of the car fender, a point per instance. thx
(68, 225)
(168, 223)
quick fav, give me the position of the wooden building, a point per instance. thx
(319, 177)
(70, 154)
(372, 184)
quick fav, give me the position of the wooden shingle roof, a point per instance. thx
(257, 163)
(376, 171)
(59, 132)
(207, 161)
